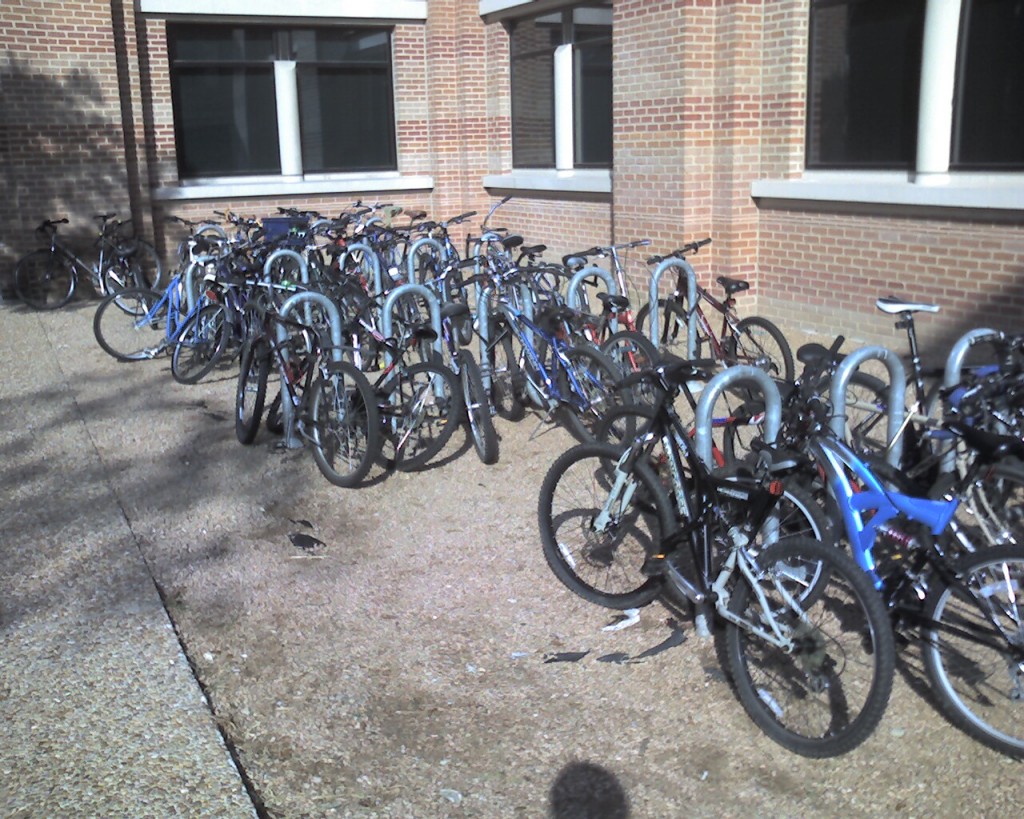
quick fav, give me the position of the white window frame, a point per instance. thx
(565, 177)
(292, 180)
(930, 184)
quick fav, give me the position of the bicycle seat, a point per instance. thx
(892, 305)
(613, 303)
(733, 285)
(512, 241)
(990, 446)
(814, 353)
(454, 309)
(533, 250)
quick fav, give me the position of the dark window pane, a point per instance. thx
(593, 105)
(533, 111)
(213, 44)
(346, 119)
(226, 121)
(989, 129)
(865, 73)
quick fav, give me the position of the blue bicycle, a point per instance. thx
(942, 581)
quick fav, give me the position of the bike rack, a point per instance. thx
(423, 242)
(691, 303)
(745, 374)
(574, 291)
(374, 264)
(432, 302)
(483, 327)
(303, 271)
(306, 299)
(951, 377)
(897, 396)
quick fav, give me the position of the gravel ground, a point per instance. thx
(421, 660)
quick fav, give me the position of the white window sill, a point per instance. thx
(579, 181)
(326, 9)
(234, 188)
(997, 191)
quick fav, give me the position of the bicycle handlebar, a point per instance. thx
(691, 247)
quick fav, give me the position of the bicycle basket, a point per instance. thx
(281, 227)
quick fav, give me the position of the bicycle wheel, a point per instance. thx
(506, 377)
(478, 409)
(601, 561)
(345, 425)
(251, 390)
(424, 410)
(973, 647)
(131, 325)
(825, 695)
(142, 263)
(866, 412)
(760, 343)
(45, 280)
(673, 330)
(993, 510)
(589, 393)
(200, 345)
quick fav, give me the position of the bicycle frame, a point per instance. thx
(839, 461)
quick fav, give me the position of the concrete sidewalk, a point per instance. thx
(100, 712)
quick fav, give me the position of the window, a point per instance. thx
(252, 100)
(989, 111)
(562, 88)
(865, 74)
(866, 80)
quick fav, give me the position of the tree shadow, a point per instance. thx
(62, 146)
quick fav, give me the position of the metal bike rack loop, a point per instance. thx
(284, 253)
(740, 374)
(387, 320)
(951, 377)
(306, 299)
(369, 259)
(574, 292)
(896, 396)
(691, 303)
(415, 249)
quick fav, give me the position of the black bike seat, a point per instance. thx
(453, 309)
(814, 353)
(892, 305)
(613, 303)
(990, 446)
(733, 285)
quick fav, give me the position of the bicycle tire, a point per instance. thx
(45, 280)
(201, 344)
(425, 416)
(760, 343)
(131, 325)
(506, 377)
(673, 329)
(993, 510)
(631, 351)
(251, 389)
(602, 567)
(345, 425)
(478, 409)
(979, 687)
(597, 378)
(827, 695)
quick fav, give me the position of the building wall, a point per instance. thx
(709, 96)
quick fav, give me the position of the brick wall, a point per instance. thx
(62, 142)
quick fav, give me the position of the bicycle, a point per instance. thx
(962, 598)
(753, 340)
(573, 382)
(808, 641)
(47, 278)
(333, 406)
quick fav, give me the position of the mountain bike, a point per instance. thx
(808, 641)
(753, 340)
(47, 278)
(333, 407)
(961, 598)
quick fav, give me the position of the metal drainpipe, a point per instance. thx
(691, 302)
(897, 395)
